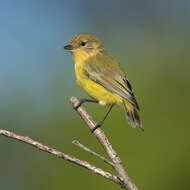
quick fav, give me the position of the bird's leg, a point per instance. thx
(82, 101)
(101, 122)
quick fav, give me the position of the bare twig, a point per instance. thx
(77, 143)
(61, 155)
(118, 166)
(123, 179)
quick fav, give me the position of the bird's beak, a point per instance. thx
(68, 47)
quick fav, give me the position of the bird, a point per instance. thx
(102, 78)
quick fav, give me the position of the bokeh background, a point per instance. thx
(150, 39)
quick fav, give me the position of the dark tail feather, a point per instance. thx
(132, 115)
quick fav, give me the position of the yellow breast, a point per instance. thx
(93, 89)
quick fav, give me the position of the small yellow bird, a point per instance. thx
(102, 78)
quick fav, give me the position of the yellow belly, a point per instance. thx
(95, 90)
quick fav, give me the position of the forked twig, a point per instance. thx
(77, 143)
(60, 154)
(103, 140)
(123, 179)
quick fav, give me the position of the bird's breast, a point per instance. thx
(93, 89)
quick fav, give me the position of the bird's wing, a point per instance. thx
(110, 76)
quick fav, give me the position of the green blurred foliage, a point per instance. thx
(157, 64)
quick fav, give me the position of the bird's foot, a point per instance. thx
(81, 101)
(96, 126)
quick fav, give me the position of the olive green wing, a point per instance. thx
(108, 74)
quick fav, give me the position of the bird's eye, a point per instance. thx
(83, 43)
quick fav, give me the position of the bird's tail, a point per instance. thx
(132, 115)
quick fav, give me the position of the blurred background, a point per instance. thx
(151, 41)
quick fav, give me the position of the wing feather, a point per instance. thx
(110, 76)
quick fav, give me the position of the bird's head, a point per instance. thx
(84, 45)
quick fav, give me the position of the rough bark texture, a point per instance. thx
(62, 155)
(122, 179)
(118, 166)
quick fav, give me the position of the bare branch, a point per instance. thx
(123, 179)
(62, 155)
(118, 166)
(77, 143)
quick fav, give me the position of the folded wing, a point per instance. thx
(109, 75)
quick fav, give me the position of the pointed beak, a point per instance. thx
(68, 47)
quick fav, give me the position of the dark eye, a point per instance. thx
(83, 43)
